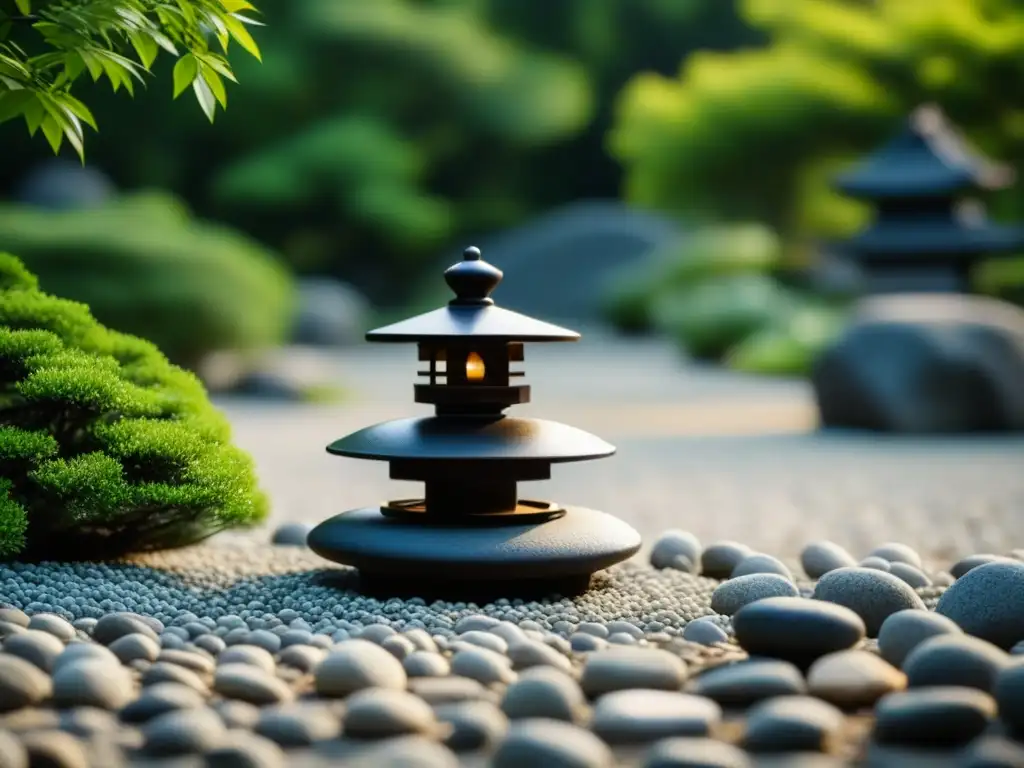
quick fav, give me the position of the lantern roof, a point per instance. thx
(472, 313)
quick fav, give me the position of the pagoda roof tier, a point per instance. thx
(484, 321)
(928, 158)
(938, 237)
(504, 439)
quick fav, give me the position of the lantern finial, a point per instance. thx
(472, 279)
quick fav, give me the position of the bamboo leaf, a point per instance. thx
(216, 86)
(218, 64)
(78, 109)
(145, 46)
(12, 104)
(24, 6)
(205, 97)
(234, 6)
(185, 71)
(242, 37)
(53, 132)
(34, 114)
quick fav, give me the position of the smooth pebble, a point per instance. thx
(638, 715)
(904, 630)
(544, 692)
(872, 595)
(552, 744)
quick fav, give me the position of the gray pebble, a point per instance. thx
(241, 749)
(298, 725)
(530, 653)
(853, 679)
(173, 641)
(993, 752)
(92, 683)
(114, 625)
(673, 543)
(478, 622)
(621, 668)
(252, 655)
(626, 627)
(398, 646)
(14, 616)
(720, 559)
(872, 595)
(264, 639)
(12, 753)
(159, 699)
(380, 712)
(180, 632)
(482, 665)
(640, 715)
(792, 724)
(22, 684)
(582, 642)
(406, 752)
(445, 690)
(552, 744)
(475, 725)
(731, 595)
(820, 557)
(296, 637)
(135, 646)
(484, 640)
(955, 660)
(251, 684)
(903, 631)
(165, 672)
(425, 664)
(52, 624)
(35, 646)
(894, 552)
(183, 732)
(876, 564)
(197, 662)
(704, 632)
(933, 716)
(291, 535)
(424, 642)
(621, 638)
(54, 749)
(302, 657)
(8, 629)
(89, 722)
(1009, 693)
(237, 714)
(74, 652)
(747, 682)
(376, 633)
(236, 636)
(684, 752)
(357, 664)
(544, 692)
(988, 602)
(796, 628)
(593, 628)
(761, 563)
(971, 562)
(911, 575)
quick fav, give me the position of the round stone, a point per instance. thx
(731, 595)
(621, 668)
(681, 752)
(291, 535)
(624, 627)
(7, 629)
(425, 664)
(621, 638)
(14, 616)
(760, 563)
(971, 562)
(640, 715)
(302, 657)
(444, 690)
(820, 557)
(575, 545)
(296, 637)
(75, 652)
(183, 732)
(872, 595)
(530, 653)
(475, 725)
(988, 602)
(482, 665)
(853, 679)
(720, 559)
(544, 692)
(381, 712)
(933, 716)
(552, 744)
(476, 622)
(54, 625)
(593, 628)
(895, 552)
(251, 684)
(705, 632)
(875, 564)
(357, 664)
(424, 642)
(54, 748)
(747, 682)
(376, 633)
(584, 643)
(129, 648)
(298, 725)
(484, 640)
(252, 655)
(12, 753)
(993, 752)
(92, 683)
(265, 639)
(955, 660)
(911, 575)
(35, 646)
(201, 663)
(406, 752)
(1009, 694)
(903, 631)
(399, 646)
(796, 628)
(165, 672)
(241, 749)
(22, 684)
(672, 544)
(792, 724)
(237, 714)
(159, 699)
(114, 625)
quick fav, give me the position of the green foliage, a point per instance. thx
(47, 46)
(105, 446)
(790, 345)
(146, 267)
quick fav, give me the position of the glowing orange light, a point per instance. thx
(475, 370)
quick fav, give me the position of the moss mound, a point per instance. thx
(105, 446)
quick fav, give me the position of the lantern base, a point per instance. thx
(399, 557)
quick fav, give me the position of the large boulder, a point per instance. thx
(925, 363)
(330, 313)
(62, 185)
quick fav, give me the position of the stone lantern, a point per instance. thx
(471, 531)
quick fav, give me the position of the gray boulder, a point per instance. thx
(329, 313)
(927, 363)
(62, 185)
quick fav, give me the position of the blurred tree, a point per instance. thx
(46, 46)
(758, 134)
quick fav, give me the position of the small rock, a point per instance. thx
(897, 553)
(381, 712)
(399, 646)
(911, 575)
(12, 753)
(241, 749)
(89, 722)
(480, 664)
(296, 637)
(291, 535)
(993, 752)
(904, 630)
(252, 655)
(74, 652)
(376, 633)
(933, 716)
(424, 642)
(475, 725)
(1009, 693)
(704, 632)
(357, 664)
(673, 543)
(621, 638)
(165, 672)
(530, 653)
(159, 699)
(683, 752)
(237, 714)
(477, 621)
(251, 684)
(876, 564)
(54, 625)
(8, 629)
(199, 663)
(731, 595)
(262, 638)
(544, 692)
(426, 664)
(988, 602)
(183, 732)
(35, 646)
(114, 625)
(820, 557)
(584, 643)
(796, 628)
(792, 724)
(747, 682)
(720, 559)
(298, 725)
(406, 752)
(14, 616)
(872, 595)
(625, 627)
(302, 657)
(971, 562)
(955, 660)
(170, 641)
(551, 744)
(622, 668)
(22, 684)
(445, 690)
(485, 640)
(593, 628)
(760, 563)
(92, 683)
(54, 748)
(640, 715)
(129, 648)
(853, 679)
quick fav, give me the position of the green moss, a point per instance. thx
(105, 446)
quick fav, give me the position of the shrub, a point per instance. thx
(146, 268)
(105, 446)
(790, 346)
